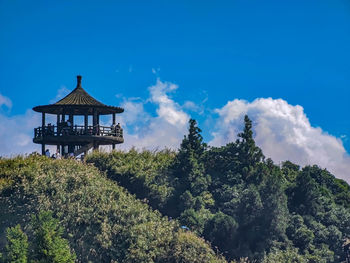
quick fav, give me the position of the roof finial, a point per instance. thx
(78, 80)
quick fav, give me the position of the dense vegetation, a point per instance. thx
(59, 210)
(242, 203)
(137, 206)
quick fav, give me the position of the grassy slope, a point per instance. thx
(103, 222)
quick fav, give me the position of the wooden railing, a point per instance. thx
(77, 130)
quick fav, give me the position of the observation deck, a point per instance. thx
(104, 135)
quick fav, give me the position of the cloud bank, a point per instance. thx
(283, 131)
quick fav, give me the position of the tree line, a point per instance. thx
(244, 204)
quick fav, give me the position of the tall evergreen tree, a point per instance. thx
(189, 157)
(190, 171)
(249, 154)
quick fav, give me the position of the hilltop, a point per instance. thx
(166, 206)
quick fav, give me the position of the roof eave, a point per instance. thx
(66, 108)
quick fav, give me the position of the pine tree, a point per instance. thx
(17, 245)
(191, 149)
(189, 167)
(248, 153)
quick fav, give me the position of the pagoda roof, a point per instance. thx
(78, 102)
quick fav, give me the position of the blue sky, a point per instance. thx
(214, 51)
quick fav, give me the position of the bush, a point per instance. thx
(17, 245)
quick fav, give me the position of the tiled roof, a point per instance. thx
(78, 102)
(79, 97)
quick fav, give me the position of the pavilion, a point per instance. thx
(71, 137)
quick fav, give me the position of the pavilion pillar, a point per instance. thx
(71, 119)
(94, 121)
(94, 118)
(43, 120)
(70, 148)
(43, 132)
(113, 118)
(96, 146)
(58, 131)
(113, 124)
(86, 122)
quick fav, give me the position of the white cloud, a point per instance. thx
(16, 133)
(134, 112)
(284, 133)
(168, 110)
(190, 105)
(155, 71)
(61, 93)
(166, 129)
(5, 101)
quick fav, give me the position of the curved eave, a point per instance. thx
(78, 109)
(81, 139)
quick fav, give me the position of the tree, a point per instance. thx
(221, 231)
(195, 220)
(249, 154)
(275, 214)
(290, 170)
(299, 233)
(17, 245)
(306, 197)
(49, 246)
(289, 255)
(189, 169)
(194, 140)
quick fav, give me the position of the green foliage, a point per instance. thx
(248, 208)
(17, 245)
(195, 219)
(48, 245)
(289, 255)
(249, 154)
(267, 211)
(290, 170)
(144, 174)
(221, 231)
(101, 220)
(298, 232)
(189, 170)
(188, 248)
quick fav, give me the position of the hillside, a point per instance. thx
(102, 221)
(133, 206)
